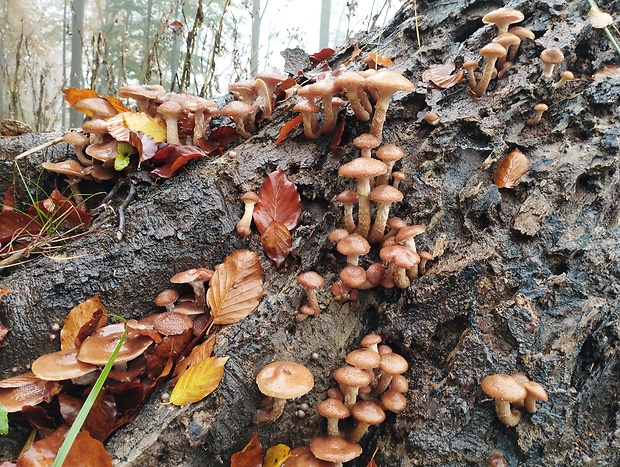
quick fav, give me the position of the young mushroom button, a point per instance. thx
(504, 389)
(281, 380)
(311, 281)
(535, 392)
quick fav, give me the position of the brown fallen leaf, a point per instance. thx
(511, 169)
(277, 242)
(84, 313)
(606, 72)
(199, 353)
(288, 127)
(441, 75)
(250, 456)
(236, 287)
(278, 201)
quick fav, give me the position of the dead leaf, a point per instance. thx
(78, 317)
(599, 19)
(276, 455)
(288, 127)
(371, 462)
(441, 75)
(606, 72)
(61, 209)
(236, 287)
(199, 353)
(175, 157)
(145, 123)
(250, 456)
(356, 52)
(117, 104)
(198, 381)
(511, 169)
(4, 291)
(277, 242)
(322, 55)
(278, 201)
(377, 59)
(73, 96)
(3, 331)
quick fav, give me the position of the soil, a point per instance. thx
(525, 280)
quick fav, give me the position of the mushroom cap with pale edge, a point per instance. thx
(370, 339)
(61, 365)
(367, 412)
(390, 152)
(352, 376)
(503, 17)
(506, 39)
(522, 32)
(311, 280)
(98, 347)
(353, 244)
(172, 323)
(96, 125)
(388, 81)
(14, 398)
(541, 107)
(272, 77)
(236, 109)
(366, 140)
(383, 194)
(348, 197)
(408, 232)
(170, 108)
(353, 276)
(166, 297)
(250, 196)
(363, 358)
(97, 106)
(552, 55)
(393, 364)
(536, 390)
(103, 151)
(362, 167)
(284, 380)
(68, 167)
(393, 401)
(503, 387)
(75, 138)
(302, 457)
(333, 408)
(188, 308)
(192, 275)
(493, 50)
(400, 255)
(334, 449)
(146, 91)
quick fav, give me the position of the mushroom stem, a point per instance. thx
(483, 84)
(332, 427)
(243, 225)
(363, 221)
(508, 416)
(75, 191)
(358, 432)
(271, 415)
(172, 130)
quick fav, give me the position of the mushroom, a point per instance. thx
(281, 380)
(302, 457)
(366, 359)
(27, 390)
(391, 364)
(353, 276)
(308, 109)
(263, 101)
(74, 172)
(243, 226)
(353, 83)
(425, 257)
(395, 224)
(363, 168)
(172, 323)
(353, 246)
(96, 107)
(243, 91)
(374, 276)
(311, 281)
(61, 365)
(389, 154)
(506, 40)
(504, 389)
(371, 341)
(196, 278)
(535, 392)
(522, 33)
(351, 379)
(324, 90)
(334, 449)
(272, 78)
(400, 260)
(384, 196)
(470, 66)
(143, 94)
(551, 57)
(366, 413)
(432, 118)
(491, 52)
(239, 112)
(99, 346)
(199, 107)
(399, 384)
(394, 401)
(539, 109)
(334, 410)
(386, 83)
(78, 140)
(565, 77)
(171, 111)
(167, 298)
(502, 18)
(348, 198)
(304, 313)
(366, 142)
(406, 236)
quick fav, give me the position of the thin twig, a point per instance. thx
(121, 211)
(39, 148)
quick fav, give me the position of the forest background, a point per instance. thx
(197, 46)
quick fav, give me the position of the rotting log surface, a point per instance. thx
(528, 281)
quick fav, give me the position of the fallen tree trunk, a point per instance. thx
(527, 280)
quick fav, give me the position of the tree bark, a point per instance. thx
(527, 280)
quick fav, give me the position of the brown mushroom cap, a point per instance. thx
(68, 167)
(552, 55)
(348, 197)
(352, 376)
(192, 275)
(97, 107)
(393, 364)
(334, 449)
(141, 91)
(363, 358)
(367, 412)
(353, 276)
(536, 390)
(97, 348)
(61, 365)
(75, 138)
(303, 457)
(172, 323)
(390, 152)
(522, 32)
(408, 232)
(311, 280)
(13, 399)
(333, 408)
(502, 18)
(353, 245)
(362, 167)
(400, 255)
(393, 401)
(385, 194)
(503, 387)
(366, 140)
(388, 82)
(284, 380)
(493, 50)
(166, 297)
(244, 90)
(370, 339)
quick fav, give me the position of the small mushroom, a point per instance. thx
(334, 410)
(391, 365)
(281, 380)
(171, 111)
(143, 94)
(98, 347)
(366, 413)
(491, 52)
(522, 33)
(393, 401)
(240, 112)
(308, 109)
(61, 365)
(349, 199)
(335, 449)
(353, 83)
(78, 141)
(389, 154)
(504, 389)
(386, 83)
(353, 246)
(74, 172)
(384, 196)
(539, 109)
(167, 298)
(470, 66)
(196, 278)
(302, 457)
(535, 392)
(551, 57)
(366, 142)
(311, 281)
(243, 226)
(502, 18)
(351, 379)
(565, 77)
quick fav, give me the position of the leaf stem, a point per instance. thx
(606, 29)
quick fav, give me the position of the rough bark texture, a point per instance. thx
(528, 280)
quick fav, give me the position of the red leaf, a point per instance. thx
(277, 242)
(63, 208)
(288, 127)
(145, 144)
(278, 201)
(15, 224)
(380, 60)
(176, 157)
(337, 136)
(250, 456)
(322, 55)
(223, 135)
(511, 169)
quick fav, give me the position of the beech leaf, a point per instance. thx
(175, 157)
(73, 96)
(145, 123)
(606, 72)
(379, 59)
(277, 242)
(199, 353)
(511, 169)
(278, 201)
(198, 381)
(441, 75)
(78, 317)
(250, 456)
(236, 287)
(322, 55)
(288, 127)
(276, 455)
(599, 19)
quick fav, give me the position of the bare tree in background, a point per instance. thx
(326, 11)
(75, 78)
(256, 21)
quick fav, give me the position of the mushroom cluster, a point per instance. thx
(370, 384)
(511, 393)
